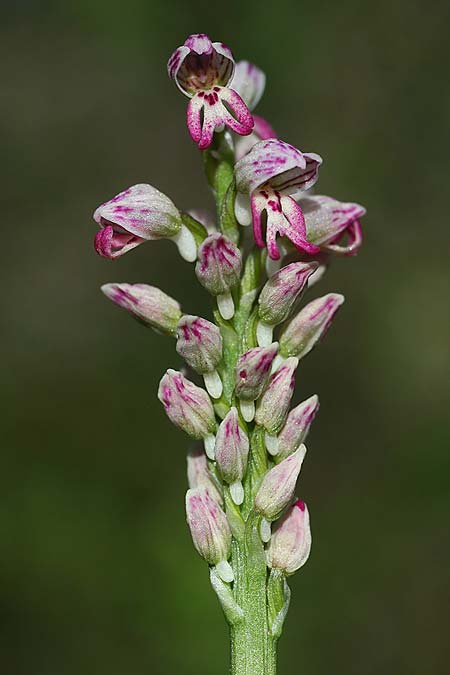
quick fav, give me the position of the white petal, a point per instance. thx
(185, 242)
(213, 384)
(224, 571)
(242, 209)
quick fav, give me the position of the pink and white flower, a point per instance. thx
(203, 71)
(210, 530)
(278, 486)
(290, 545)
(328, 221)
(140, 213)
(272, 175)
(249, 81)
(147, 304)
(309, 326)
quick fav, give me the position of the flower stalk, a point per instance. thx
(242, 511)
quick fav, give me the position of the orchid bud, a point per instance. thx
(297, 426)
(200, 475)
(251, 375)
(290, 543)
(278, 486)
(274, 404)
(200, 344)
(231, 452)
(282, 290)
(146, 304)
(187, 406)
(310, 324)
(219, 269)
(210, 530)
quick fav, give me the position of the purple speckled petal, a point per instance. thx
(208, 524)
(186, 405)
(354, 242)
(199, 43)
(141, 210)
(175, 61)
(261, 131)
(284, 218)
(305, 330)
(215, 114)
(328, 221)
(268, 160)
(148, 304)
(290, 544)
(298, 179)
(249, 81)
(200, 64)
(109, 244)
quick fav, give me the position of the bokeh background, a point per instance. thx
(98, 575)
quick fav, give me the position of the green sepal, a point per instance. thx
(234, 517)
(256, 469)
(195, 227)
(230, 355)
(233, 613)
(249, 335)
(250, 283)
(228, 223)
(278, 599)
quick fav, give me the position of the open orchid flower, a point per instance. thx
(140, 213)
(202, 70)
(272, 174)
(249, 81)
(328, 221)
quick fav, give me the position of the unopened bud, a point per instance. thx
(210, 530)
(290, 543)
(199, 475)
(274, 403)
(278, 486)
(282, 290)
(297, 426)
(218, 269)
(310, 324)
(199, 343)
(187, 406)
(231, 453)
(253, 371)
(146, 304)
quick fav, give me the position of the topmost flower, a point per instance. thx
(202, 70)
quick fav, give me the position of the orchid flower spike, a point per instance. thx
(271, 175)
(140, 213)
(249, 81)
(202, 71)
(328, 221)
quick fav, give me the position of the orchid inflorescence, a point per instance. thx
(242, 512)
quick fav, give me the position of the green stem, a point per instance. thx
(253, 644)
(253, 651)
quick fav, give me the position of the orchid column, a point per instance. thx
(234, 395)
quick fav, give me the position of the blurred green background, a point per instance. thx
(97, 572)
